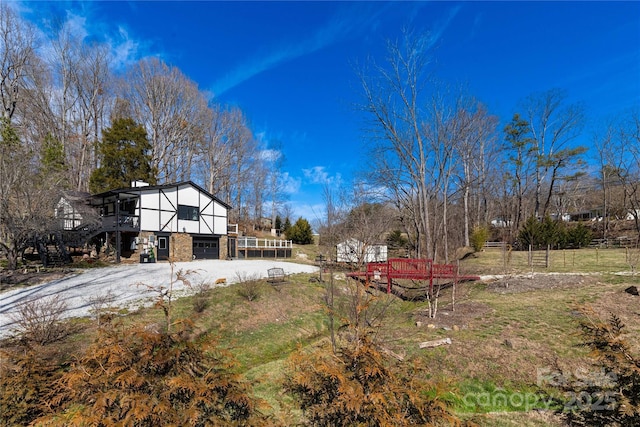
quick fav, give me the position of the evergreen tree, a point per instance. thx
(286, 226)
(125, 154)
(53, 167)
(300, 233)
(278, 224)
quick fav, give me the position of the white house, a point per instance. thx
(353, 251)
(180, 220)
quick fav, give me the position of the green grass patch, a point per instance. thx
(481, 396)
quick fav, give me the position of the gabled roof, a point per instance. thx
(136, 191)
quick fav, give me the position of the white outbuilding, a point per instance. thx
(353, 251)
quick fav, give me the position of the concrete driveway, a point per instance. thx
(128, 285)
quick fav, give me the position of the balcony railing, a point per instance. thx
(124, 222)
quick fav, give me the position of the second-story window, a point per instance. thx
(189, 213)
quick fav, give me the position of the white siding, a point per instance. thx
(208, 210)
(150, 200)
(188, 226)
(219, 209)
(206, 224)
(169, 199)
(220, 225)
(189, 196)
(149, 220)
(353, 251)
(168, 220)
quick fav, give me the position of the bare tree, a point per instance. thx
(27, 197)
(173, 111)
(404, 161)
(213, 157)
(474, 148)
(229, 161)
(419, 132)
(17, 53)
(93, 77)
(625, 161)
(553, 127)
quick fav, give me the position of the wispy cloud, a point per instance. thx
(319, 175)
(270, 155)
(290, 185)
(125, 50)
(349, 22)
(85, 25)
(430, 39)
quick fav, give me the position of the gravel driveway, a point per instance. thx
(128, 284)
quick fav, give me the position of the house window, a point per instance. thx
(189, 213)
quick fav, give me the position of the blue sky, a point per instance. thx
(291, 66)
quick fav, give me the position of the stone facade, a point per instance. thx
(181, 247)
(140, 247)
(224, 247)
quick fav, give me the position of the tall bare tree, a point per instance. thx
(93, 77)
(173, 111)
(474, 147)
(17, 56)
(554, 126)
(403, 160)
(422, 131)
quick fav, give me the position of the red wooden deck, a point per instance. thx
(412, 269)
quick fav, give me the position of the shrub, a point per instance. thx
(248, 286)
(356, 387)
(26, 376)
(201, 297)
(41, 320)
(611, 395)
(148, 378)
(579, 236)
(479, 237)
(395, 240)
(539, 233)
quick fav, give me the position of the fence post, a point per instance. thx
(546, 259)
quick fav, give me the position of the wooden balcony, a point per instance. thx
(123, 222)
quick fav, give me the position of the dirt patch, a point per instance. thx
(527, 283)
(459, 316)
(12, 279)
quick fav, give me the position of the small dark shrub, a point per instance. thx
(201, 297)
(249, 287)
(41, 320)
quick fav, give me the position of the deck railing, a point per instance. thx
(260, 243)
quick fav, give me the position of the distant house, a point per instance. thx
(180, 221)
(560, 217)
(632, 214)
(500, 222)
(588, 215)
(353, 251)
